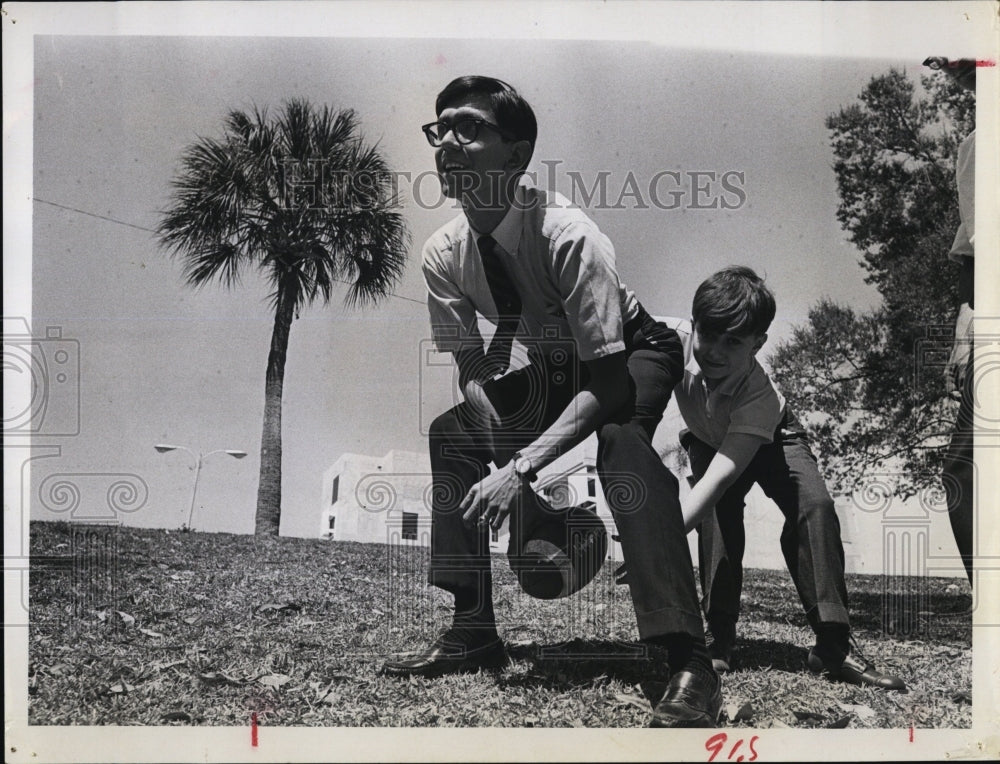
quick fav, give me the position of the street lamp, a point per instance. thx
(199, 459)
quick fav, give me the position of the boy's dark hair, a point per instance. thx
(735, 300)
(514, 115)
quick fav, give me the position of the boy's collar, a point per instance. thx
(726, 386)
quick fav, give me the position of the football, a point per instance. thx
(561, 552)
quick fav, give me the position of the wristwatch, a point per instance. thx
(523, 468)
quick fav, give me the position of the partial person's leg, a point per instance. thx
(721, 544)
(460, 553)
(810, 539)
(811, 543)
(959, 472)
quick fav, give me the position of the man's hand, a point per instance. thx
(492, 498)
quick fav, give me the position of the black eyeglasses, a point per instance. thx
(465, 130)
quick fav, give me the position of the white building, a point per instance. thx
(378, 499)
(387, 500)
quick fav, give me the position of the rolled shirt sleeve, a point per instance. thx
(584, 264)
(758, 407)
(452, 314)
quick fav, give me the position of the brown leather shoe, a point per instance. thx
(691, 701)
(854, 669)
(449, 654)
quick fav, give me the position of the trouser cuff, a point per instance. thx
(452, 580)
(828, 612)
(669, 620)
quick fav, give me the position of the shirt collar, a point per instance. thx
(728, 385)
(507, 234)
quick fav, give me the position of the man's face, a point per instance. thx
(476, 171)
(721, 355)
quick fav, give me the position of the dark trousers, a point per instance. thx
(640, 490)
(958, 474)
(810, 540)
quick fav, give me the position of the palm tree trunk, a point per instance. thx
(268, 517)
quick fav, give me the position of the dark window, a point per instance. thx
(336, 489)
(410, 526)
(332, 521)
(495, 534)
(591, 487)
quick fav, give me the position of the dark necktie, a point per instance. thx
(508, 303)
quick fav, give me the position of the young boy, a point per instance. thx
(740, 432)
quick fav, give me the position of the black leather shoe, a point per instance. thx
(621, 575)
(449, 654)
(723, 655)
(855, 670)
(691, 701)
(722, 648)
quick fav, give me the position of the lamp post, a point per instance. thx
(199, 459)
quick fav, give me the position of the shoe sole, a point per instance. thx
(444, 669)
(704, 721)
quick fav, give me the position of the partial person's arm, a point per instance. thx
(962, 348)
(732, 459)
(963, 250)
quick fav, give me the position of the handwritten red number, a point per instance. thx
(715, 743)
(735, 748)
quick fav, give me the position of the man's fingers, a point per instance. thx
(498, 519)
(470, 506)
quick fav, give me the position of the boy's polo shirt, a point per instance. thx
(561, 264)
(745, 403)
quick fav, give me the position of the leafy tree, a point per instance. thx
(870, 386)
(303, 199)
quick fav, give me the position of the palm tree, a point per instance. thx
(302, 198)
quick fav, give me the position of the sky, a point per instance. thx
(112, 111)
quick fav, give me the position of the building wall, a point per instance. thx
(378, 498)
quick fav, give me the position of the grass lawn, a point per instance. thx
(149, 627)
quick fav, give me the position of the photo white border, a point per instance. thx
(893, 29)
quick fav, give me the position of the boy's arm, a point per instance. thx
(727, 465)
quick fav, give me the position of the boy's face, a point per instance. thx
(723, 354)
(476, 171)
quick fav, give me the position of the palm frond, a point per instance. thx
(299, 194)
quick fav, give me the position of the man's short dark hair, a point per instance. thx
(734, 300)
(513, 114)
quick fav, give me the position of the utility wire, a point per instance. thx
(150, 230)
(93, 215)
